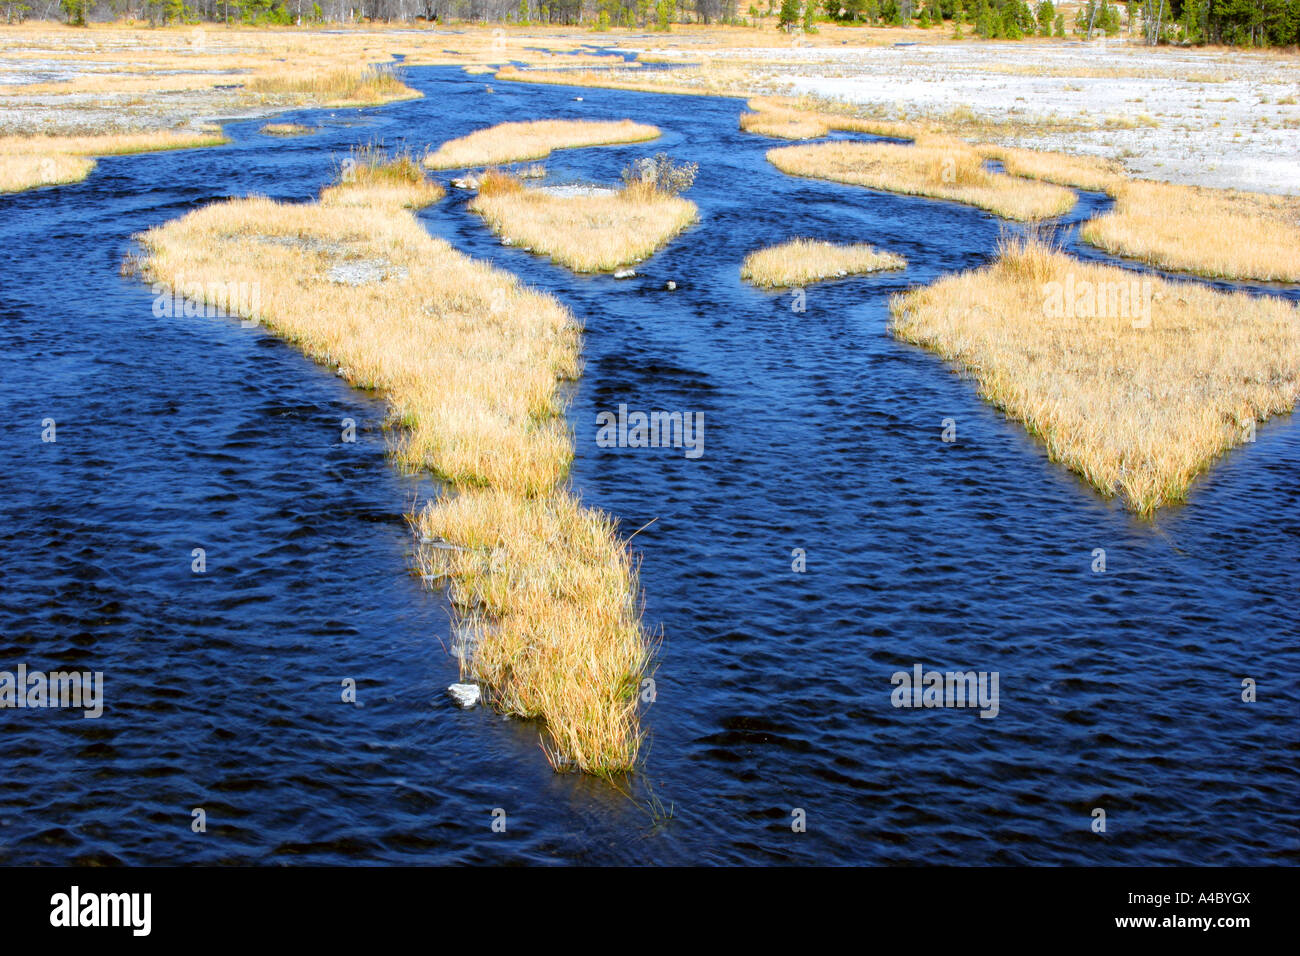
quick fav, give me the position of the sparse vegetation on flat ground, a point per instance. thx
(801, 261)
(587, 233)
(470, 362)
(1135, 388)
(934, 167)
(27, 162)
(534, 139)
(1211, 232)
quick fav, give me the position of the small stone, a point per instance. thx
(466, 695)
(670, 285)
(624, 273)
(577, 99)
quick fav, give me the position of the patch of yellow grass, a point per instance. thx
(935, 167)
(369, 175)
(27, 162)
(286, 129)
(547, 595)
(1133, 382)
(778, 118)
(594, 233)
(1212, 232)
(470, 362)
(339, 87)
(801, 261)
(1084, 172)
(535, 139)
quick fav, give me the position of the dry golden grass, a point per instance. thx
(791, 119)
(1212, 232)
(935, 167)
(1135, 383)
(470, 362)
(287, 129)
(19, 171)
(1084, 172)
(370, 175)
(340, 87)
(27, 162)
(550, 619)
(801, 261)
(595, 233)
(535, 139)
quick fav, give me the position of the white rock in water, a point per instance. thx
(578, 99)
(467, 695)
(671, 285)
(624, 273)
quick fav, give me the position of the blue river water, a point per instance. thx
(224, 689)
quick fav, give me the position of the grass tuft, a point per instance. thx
(801, 261)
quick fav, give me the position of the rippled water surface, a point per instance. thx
(1118, 690)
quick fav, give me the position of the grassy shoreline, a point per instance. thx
(29, 162)
(1135, 383)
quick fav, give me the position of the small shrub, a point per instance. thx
(659, 175)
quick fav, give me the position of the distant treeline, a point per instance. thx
(1230, 22)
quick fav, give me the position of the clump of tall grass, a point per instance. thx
(370, 174)
(1133, 382)
(553, 627)
(338, 86)
(470, 362)
(801, 261)
(1223, 233)
(534, 139)
(936, 167)
(597, 232)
